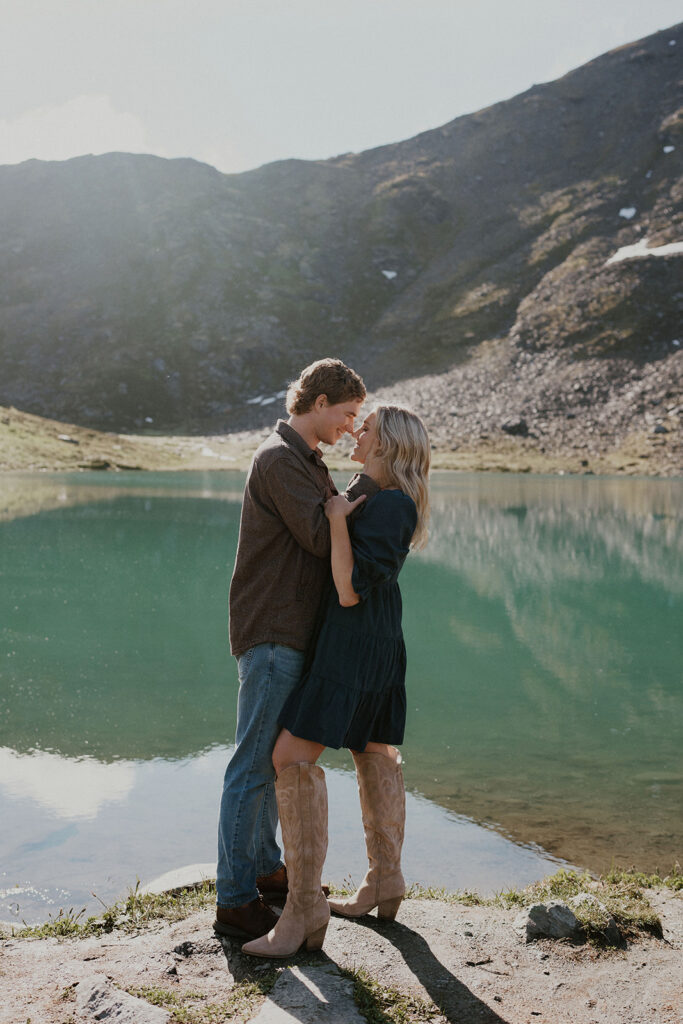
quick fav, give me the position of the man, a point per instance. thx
(282, 565)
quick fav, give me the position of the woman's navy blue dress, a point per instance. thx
(352, 691)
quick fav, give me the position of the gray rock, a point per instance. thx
(553, 920)
(310, 995)
(188, 877)
(98, 999)
(518, 427)
(660, 429)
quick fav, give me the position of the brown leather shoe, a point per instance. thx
(275, 887)
(251, 919)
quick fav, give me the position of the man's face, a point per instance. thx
(333, 421)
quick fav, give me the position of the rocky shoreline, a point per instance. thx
(445, 959)
(500, 419)
(505, 410)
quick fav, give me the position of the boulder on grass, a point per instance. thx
(553, 920)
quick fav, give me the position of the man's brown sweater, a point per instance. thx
(283, 553)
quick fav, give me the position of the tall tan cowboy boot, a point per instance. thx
(383, 805)
(302, 803)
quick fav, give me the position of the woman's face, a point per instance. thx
(366, 439)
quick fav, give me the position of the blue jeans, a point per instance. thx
(247, 846)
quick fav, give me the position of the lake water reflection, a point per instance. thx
(543, 633)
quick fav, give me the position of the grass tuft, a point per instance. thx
(623, 892)
(129, 915)
(241, 1003)
(674, 880)
(462, 896)
(381, 1004)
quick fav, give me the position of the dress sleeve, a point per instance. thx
(381, 540)
(359, 484)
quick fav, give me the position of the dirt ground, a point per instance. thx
(469, 961)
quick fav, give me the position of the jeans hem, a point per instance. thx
(264, 874)
(223, 905)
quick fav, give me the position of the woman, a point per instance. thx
(353, 692)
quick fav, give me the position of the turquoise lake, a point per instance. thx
(543, 628)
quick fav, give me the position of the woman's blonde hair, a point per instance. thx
(404, 448)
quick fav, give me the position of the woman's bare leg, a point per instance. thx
(382, 748)
(291, 749)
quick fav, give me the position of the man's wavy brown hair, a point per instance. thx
(329, 377)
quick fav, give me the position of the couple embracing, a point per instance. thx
(315, 625)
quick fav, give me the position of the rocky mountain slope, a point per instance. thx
(466, 269)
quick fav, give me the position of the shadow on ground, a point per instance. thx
(455, 1000)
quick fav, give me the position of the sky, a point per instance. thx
(240, 83)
